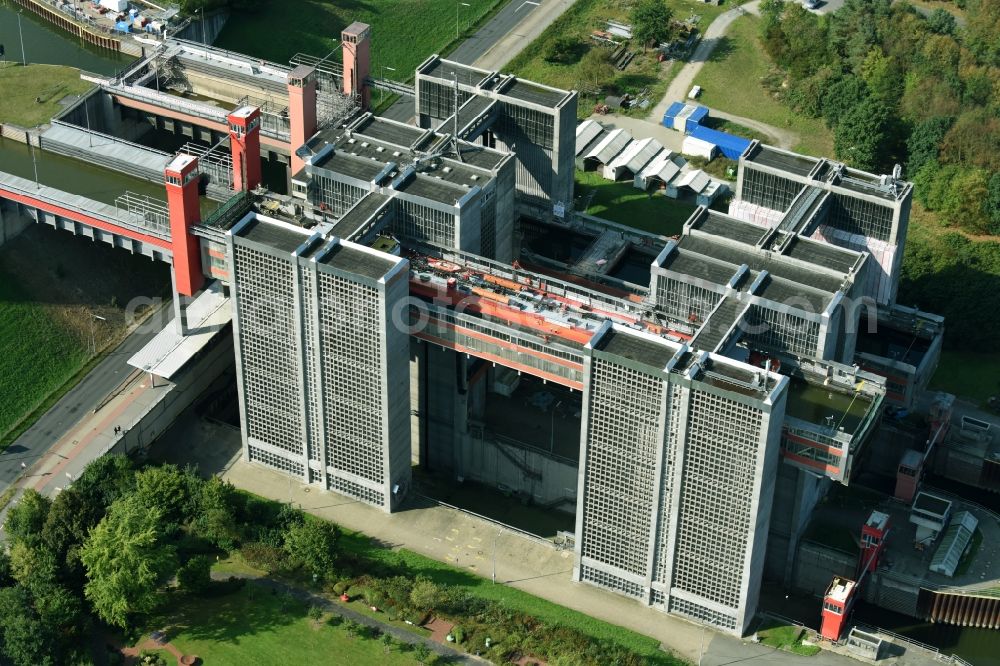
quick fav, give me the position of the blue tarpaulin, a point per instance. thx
(731, 146)
(122, 26)
(694, 120)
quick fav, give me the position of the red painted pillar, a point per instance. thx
(356, 50)
(244, 142)
(184, 207)
(301, 111)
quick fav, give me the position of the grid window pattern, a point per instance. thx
(264, 289)
(781, 331)
(438, 101)
(622, 429)
(424, 223)
(768, 190)
(857, 216)
(612, 582)
(668, 482)
(352, 372)
(336, 196)
(717, 512)
(357, 491)
(659, 598)
(277, 462)
(535, 126)
(702, 614)
(682, 300)
(488, 234)
(310, 357)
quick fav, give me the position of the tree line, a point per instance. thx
(898, 86)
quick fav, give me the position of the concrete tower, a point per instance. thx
(301, 111)
(356, 39)
(244, 141)
(182, 201)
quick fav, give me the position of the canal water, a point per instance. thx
(46, 44)
(72, 175)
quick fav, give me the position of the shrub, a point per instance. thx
(263, 556)
(335, 620)
(196, 574)
(421, 652)
(459, 634)
(341, 586)
(315, 612)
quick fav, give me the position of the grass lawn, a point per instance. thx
(404, 32)
(253, 626)
(968, 374)
(731, 82)
(24, 86)
(585, 16)
(786, 637)
(39, 354)
(622, 203)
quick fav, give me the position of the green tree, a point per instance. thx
(169, 489)
(26, 519)
(216, 513)
(564, 49)
(841, 97)
(924, 143)
(992, 204)
(863, 136)
(27, 641)
(314, 543)
(425, 595)
(651, 22)
(941, 22)
(595, 71)
(126, 561)
(105, 480)
(196, 574)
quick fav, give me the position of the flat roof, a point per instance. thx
(169, 351)
(822, 254)
(636, 348)
(793, 163)
(443, 69)
(274, 235)
(358, 215)
(682, 261)
(534, 93)
(342, 160)
(432, 188)
(372, 264)
(717, 224)
(758, 261)
(816, 404)
(389, 131)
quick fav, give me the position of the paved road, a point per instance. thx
(78, 401)
(502, 23)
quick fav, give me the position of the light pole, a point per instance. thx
(24, 58)
(34, 162)
(457, 5)
(499, 532)
(93, 342)
(381, 91)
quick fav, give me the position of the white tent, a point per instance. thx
(698, 148)
(631, 160)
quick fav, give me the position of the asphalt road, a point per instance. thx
(82, 398)
(496, 28)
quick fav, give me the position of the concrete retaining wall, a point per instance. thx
(12, 221)
(816, 565)
(136, 437)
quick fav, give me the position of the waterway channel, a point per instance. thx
(46, 44)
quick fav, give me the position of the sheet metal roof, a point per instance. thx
(169, 351)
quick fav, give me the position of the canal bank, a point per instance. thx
(46, 44)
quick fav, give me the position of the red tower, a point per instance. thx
(301, 111)
(244, 141)
(837, 605)
(356, 50)
(908, 474)
(873, 534)
(184, 209)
